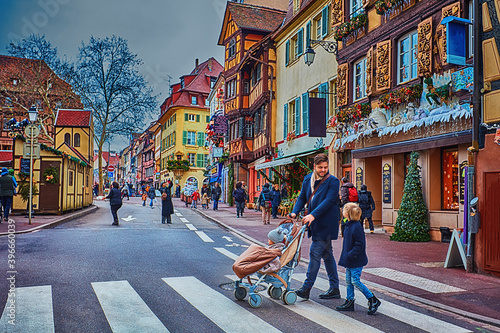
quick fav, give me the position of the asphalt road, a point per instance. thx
(144, 276)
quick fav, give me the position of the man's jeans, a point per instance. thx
(352, 279)
(6, 204)
(275, 210)
(239, 207)
(318, 250)
(216, 204)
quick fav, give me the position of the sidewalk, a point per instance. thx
(394, 267)
(41, 221)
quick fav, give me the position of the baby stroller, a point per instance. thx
(256, 257)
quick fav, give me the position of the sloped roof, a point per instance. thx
(76, 152)
(290, 15)
(5, 155)
(73, 118)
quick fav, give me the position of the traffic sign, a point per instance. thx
(32, 131)
(110, 174)
(27, 150)
(111, 168)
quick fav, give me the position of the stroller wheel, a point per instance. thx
(289, 297)
(240, 293)
(274, 292)
(255, 300)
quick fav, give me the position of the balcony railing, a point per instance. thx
(255, 93)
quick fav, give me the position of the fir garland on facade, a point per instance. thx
(344, 29)
(412, 223)
(178, 165)
(354, 113)
(400, 96)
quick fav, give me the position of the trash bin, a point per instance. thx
(445, 234)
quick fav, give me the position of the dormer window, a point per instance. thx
(194, 100)
(296, 6)
(182, 83)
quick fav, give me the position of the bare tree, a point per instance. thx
(107, 79)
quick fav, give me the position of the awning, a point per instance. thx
(284, 160)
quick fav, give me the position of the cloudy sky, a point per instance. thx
(166, 34)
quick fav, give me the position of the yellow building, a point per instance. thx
(183, 121)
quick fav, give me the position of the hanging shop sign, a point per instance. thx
(220, 125)
(386, 179)
(359, 178)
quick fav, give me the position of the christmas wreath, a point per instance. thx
(51, 175)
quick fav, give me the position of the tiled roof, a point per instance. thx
(290, 14)
(73, 118)
(5, 155)
(255, 17)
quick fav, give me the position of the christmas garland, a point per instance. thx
(402, 95)
(355, 112)
(51, 175)
(177, 165)
(383, 6)
(344, 29)
(63, 154)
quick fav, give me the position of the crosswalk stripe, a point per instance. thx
(178, 214)
(184, 220)
(204, 237)
(323, 315)
(227, 253)
(413, 280)
(229, 316)
(125, 310)
(32, 311)
(190, 226)
(410, 317)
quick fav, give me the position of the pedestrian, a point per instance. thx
(115, 201)
(125, 191)
(243, 186)
(367, 205)
(204, 201)
(144, 198)
(167, 208)
(353, 258)
(195, 197)
(216, 193)
(204, 189)
(348, 193)
(265, 202)
(239, 199)
(151, 195)
(178, 191)
(284, 192)
(319, 195)
(7, 191)
(96, 189)
(276, 201)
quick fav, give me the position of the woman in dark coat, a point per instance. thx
(167, 208)
(115, 201)
(367, 206)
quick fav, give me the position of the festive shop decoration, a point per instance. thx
(294, 175)
(399, 96)
(412, 223)
(383, 7)
(177, 165)
(354, 113)
(355, 23)
(379, 117)
(290, 136)
(497, 137)
(51, 175)
(437, 95)
(23, 188)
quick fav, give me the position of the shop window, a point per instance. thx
(360, 79)
(450, 189)
(407, 57)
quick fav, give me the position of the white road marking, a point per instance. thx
(178, 214)
(125, 310)
(184, 220)
(227, 253)
(128, 219)
(413, 280)
(410, 317)
(229, 239)
(229, 316)
(204, 237)
(191, 227)
(33, 312)
(322, 315)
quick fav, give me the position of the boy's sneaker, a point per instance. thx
(373, 304)
(303, 293)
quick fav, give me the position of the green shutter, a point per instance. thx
(199, 160)
(297, 116)
(184, 137)
(308, 34)
(207, 119)
(174, 139)
(285, 121)
(287, 52)
(324, 22)
(200, 138)
(305, 113)
(186, 117)
(300, 40)
(197, 118)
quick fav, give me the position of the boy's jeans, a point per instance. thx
(352, 279)
(193, 204)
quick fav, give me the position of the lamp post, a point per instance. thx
(32, 132)
(330, 47)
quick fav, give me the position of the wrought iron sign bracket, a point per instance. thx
(330, 47)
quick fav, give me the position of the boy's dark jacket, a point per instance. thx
(354, 246)
(324, 207)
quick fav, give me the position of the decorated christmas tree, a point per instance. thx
(412, 222)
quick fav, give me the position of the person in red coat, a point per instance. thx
(195, 197)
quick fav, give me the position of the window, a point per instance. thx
(246, 87)
(231, 88)
(191, 138)
(356, 7)
(231, 48)
(332, 109)
(194, 100)
(291, 116)
(407, 57)
(67, 139)
(212, 82)
(70, 178)
(450, 189)
(317, 27)
(192, 159)
(471, 28)
(207, 119)
(248, 129)
(256, 72)
(76, 140)
(207, 102)
(295, 48)
(360, 79)
(296, 6)
(191, 117)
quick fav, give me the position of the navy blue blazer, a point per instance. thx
(354, 247)
(324, 207)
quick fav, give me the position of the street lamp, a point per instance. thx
(330, 47)
(309, 56)
(33, 113)
(32, 133)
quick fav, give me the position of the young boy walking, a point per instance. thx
(353, 258)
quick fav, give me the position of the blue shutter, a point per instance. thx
(324, 22)
(300, 40)
(308, 34)
(287, 52)
(285, 121)
(297, 116)
(305, 113)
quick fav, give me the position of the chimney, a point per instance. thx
(196, 63)
(210, 64)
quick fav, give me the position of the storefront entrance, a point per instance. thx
(372, 178)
